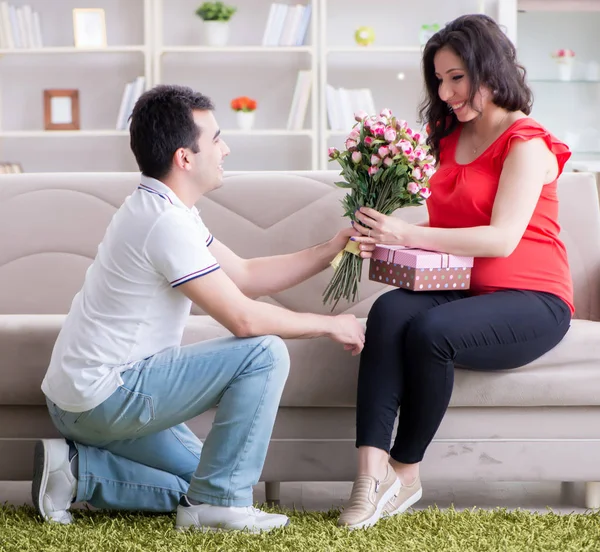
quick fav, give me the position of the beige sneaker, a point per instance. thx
(404, 498)
(368, 498)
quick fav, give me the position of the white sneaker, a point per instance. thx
(54, 487)
(206, 517)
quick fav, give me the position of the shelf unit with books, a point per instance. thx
(52, 61)
(281, 78)
(386, 73)
(289, 77)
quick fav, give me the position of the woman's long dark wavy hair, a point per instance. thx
(490, 60)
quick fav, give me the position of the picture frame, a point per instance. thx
(61, 109)
(10, 168)
(89, 28)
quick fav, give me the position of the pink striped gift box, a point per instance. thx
(420, 270)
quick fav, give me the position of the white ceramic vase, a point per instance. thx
(565, 69)
(216, 33)
(245, 119)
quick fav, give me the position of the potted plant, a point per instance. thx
(216, 16)
(245, 108)
(565, 59)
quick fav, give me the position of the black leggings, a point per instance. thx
(414, 339)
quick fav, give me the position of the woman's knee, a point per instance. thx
(385, 307)
(428, 330)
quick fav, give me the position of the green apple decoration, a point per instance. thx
(364, 36)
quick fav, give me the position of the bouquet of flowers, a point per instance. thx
(385, 165)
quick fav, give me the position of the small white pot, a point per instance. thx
(565, 69)
(245, 119)
(216, 33)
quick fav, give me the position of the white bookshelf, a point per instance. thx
(50, 50)
(374, 50)
(390, 67)
(167, 48)
(267, 132)
(62, 133)
(236, 49)
(99, 74)
(243, 68)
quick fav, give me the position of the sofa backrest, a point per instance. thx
(51, 225)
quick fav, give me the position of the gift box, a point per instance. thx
(419, 270)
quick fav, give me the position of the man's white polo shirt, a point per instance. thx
(129, 307)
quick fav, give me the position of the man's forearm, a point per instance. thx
(264, 319)
(268, 275)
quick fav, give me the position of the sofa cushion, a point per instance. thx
(323, 374)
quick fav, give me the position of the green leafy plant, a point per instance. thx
(215, 11)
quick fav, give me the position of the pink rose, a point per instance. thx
(385, 113)
(401, 124)
(390, 134)
(354, 134)
(417, 173)
(410, 157)
(430, 160)
(368, 123)
(333, 153)
(394, 149)
(383, 151)
(425, 192)
(375, 160)
(418, 138)
(429, 170)
(413, 188)
(382, 120)
(409, 131)
(360, 115)
(378, 129)
(350, 144)
(420, 154)
(369, 141)
(388, 161)
(356, 157)
(373, 170)
(406, 147)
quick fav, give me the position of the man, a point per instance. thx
(120, 387)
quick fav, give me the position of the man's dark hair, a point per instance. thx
(490, 59)
(162, 122)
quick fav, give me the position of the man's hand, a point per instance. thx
(348, 331)
(341, 239)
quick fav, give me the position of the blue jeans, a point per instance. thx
(135, 452)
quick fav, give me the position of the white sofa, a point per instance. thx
(539, 422)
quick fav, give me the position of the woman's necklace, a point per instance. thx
(476, 149)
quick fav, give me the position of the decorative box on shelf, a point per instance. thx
(419, 270)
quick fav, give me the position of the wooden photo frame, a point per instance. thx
(89, 28)
(61, 109)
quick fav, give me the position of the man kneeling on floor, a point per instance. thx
(120, 385)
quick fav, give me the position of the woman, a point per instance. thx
(493, 198)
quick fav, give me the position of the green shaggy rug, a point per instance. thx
(427, 530)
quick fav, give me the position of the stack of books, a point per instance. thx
(287, 25)
(133, 90)
(343, 103)
(19, 27)
(300, 101)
